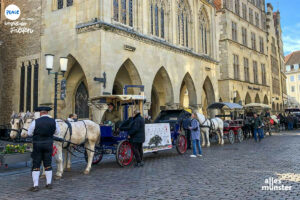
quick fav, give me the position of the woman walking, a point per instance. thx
(195, 133)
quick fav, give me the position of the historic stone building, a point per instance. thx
(167, 46)
(276, 59)
(245, 75)
(292, 71)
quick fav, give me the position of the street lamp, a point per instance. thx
(63, 68)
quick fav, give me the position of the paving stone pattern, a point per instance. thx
(235, 171)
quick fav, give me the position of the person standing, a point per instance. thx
(257, 125)
(136, 134)
(72, 118)
(186, 123)
(195, 133)
(42, 130)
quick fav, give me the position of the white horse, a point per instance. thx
(84, 132)
(215, 125)
(16, 124)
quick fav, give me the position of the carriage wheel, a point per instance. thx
(124, 153)
(181, 144)
(240, 135)
(231, 137)
(97, 156)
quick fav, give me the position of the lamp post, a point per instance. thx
(63, 68)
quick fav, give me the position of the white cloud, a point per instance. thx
(291, 39)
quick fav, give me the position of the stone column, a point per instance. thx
(146, 108)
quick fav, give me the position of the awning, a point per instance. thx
(257, 105)
(220, 105)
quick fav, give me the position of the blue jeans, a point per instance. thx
(290, 126)
(197, 143)
(258, 131)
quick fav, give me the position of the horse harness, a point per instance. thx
(70, 130)
(211, 127)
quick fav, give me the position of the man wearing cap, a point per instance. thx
(110, 114)
(136, 133)
(42, 131)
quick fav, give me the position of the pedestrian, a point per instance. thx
(72, 118)
(186, 123)
(42, 131)
(257, 127)
(290, 121)
(136, 134)
(195, 133)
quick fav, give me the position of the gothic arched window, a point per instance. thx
(204, 32)
(81, 101)
(184, 21)
(123, 11)
(158, 17)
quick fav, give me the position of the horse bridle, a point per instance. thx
(20, 122)
(25, 122)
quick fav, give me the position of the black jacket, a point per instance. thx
(136, 129)
(44, 130)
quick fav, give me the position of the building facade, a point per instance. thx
(244, 30)
(167, 46)
(292, 71)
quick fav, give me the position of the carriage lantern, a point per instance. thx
(63, 68)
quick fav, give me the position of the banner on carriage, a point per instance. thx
(158, 137)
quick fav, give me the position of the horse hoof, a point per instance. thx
(57, 177)
(86, 172)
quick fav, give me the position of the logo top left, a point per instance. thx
(12, 12)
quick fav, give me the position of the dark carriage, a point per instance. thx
(159, 136)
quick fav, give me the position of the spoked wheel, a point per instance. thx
(98, 155)
(231, 137)
(240, 135)
(124, 153)
(181, 144)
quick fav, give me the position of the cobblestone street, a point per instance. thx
(224, 172)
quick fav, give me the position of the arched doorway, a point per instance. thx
(188, 97)
(77, 94)
(257, 99)
(237, 98)
(81, 101)
(161, 93)
(247, 99)
(208, 95)
(277, 108)
(273, 107)
(266, 101)
(127, 75)
(281, 108)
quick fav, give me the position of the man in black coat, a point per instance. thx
(136, 134)
(42, 131)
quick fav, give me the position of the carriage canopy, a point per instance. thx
(257, 106)
(225, 105)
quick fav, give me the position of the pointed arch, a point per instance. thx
(277, 107)
(266, 101)
(188, 95)
(162, 92)
(248, 99)
(126, 75)
(208, 95)
(273, 107)
(257, 99)
(237, 98)
(77, 92)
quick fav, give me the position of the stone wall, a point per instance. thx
(14, 47)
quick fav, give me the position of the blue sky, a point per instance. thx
(290, 23)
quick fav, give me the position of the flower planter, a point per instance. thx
(13, 158)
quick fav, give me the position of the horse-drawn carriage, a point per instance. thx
(233, 122)
(269, 122)
(159, 136)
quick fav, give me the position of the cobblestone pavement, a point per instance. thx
(235, 171)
